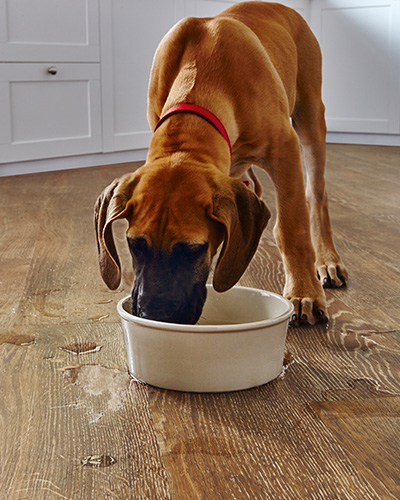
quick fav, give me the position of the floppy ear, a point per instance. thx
(110, 206)
(245, 217)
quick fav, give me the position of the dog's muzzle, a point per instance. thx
(172, 304)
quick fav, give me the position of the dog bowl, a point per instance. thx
(238, 343)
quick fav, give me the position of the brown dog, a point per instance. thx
(255, 71)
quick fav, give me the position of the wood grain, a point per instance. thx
(328, 428)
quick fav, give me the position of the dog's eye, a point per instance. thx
(187, 250)
(138, 246)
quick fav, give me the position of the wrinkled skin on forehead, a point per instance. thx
(172, 240)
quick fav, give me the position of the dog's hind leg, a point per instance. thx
(309, 122)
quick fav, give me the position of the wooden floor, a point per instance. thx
(75, 426)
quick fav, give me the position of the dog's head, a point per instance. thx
(177, 218)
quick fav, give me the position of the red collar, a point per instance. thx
(199, 111)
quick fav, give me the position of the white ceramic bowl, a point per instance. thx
(238, 343)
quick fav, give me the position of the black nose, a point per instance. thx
(154, 315)
(186, 313)
(180, 308)
(156, 310)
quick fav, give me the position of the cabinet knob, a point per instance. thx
(52, 70)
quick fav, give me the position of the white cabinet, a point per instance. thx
(49, 30)
(103, 51)
(49, 79)
(45, 115)
(130, 33)
(360, 42)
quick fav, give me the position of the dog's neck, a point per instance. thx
(200, 111)
(190, 138)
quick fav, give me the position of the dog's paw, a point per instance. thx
(308, 309)
(332, 274)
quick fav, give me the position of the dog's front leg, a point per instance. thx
(292, 234)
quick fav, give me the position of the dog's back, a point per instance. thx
(283, 33)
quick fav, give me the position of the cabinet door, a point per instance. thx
(360, 42)
(43, 30)
(130, 34)
(44, 115)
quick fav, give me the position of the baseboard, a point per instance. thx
(69, 162)
(364, 139)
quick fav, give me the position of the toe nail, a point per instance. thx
(304, 317)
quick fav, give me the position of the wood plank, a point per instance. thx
(57, 408)
(257, 444)
(368, 429)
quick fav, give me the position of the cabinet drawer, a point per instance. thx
(49, 110)
(62, 30)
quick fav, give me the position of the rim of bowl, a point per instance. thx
(225, 328)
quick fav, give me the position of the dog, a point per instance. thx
(225, 93)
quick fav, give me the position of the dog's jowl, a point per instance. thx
(225, 93)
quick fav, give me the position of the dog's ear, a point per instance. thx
(244, 217)
(110, 206)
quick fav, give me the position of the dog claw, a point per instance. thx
(307, 311)
(332, 275)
